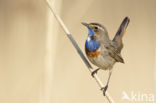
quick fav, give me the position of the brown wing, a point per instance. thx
(112, 51)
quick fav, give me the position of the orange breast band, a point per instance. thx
(93, 54)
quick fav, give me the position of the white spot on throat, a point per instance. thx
(88, 38)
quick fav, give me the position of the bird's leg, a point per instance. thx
(95, 71)
(105, 88)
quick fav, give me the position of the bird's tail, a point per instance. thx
(122, 29)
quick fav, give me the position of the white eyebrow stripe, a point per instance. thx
(100, 27)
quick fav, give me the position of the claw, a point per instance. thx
(104, 90)
(95, 71)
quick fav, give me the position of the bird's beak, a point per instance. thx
(85, 24)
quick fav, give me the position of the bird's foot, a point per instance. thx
(104, 90)
(95, 71)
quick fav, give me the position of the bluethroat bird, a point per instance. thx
(101, 50)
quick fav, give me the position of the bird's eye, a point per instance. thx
(95, 27)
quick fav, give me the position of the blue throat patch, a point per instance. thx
(91, 45)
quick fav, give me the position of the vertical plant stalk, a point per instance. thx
(109, 98)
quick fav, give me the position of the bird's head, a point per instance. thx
(97, 31)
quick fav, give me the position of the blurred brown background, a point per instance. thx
(38, 64)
